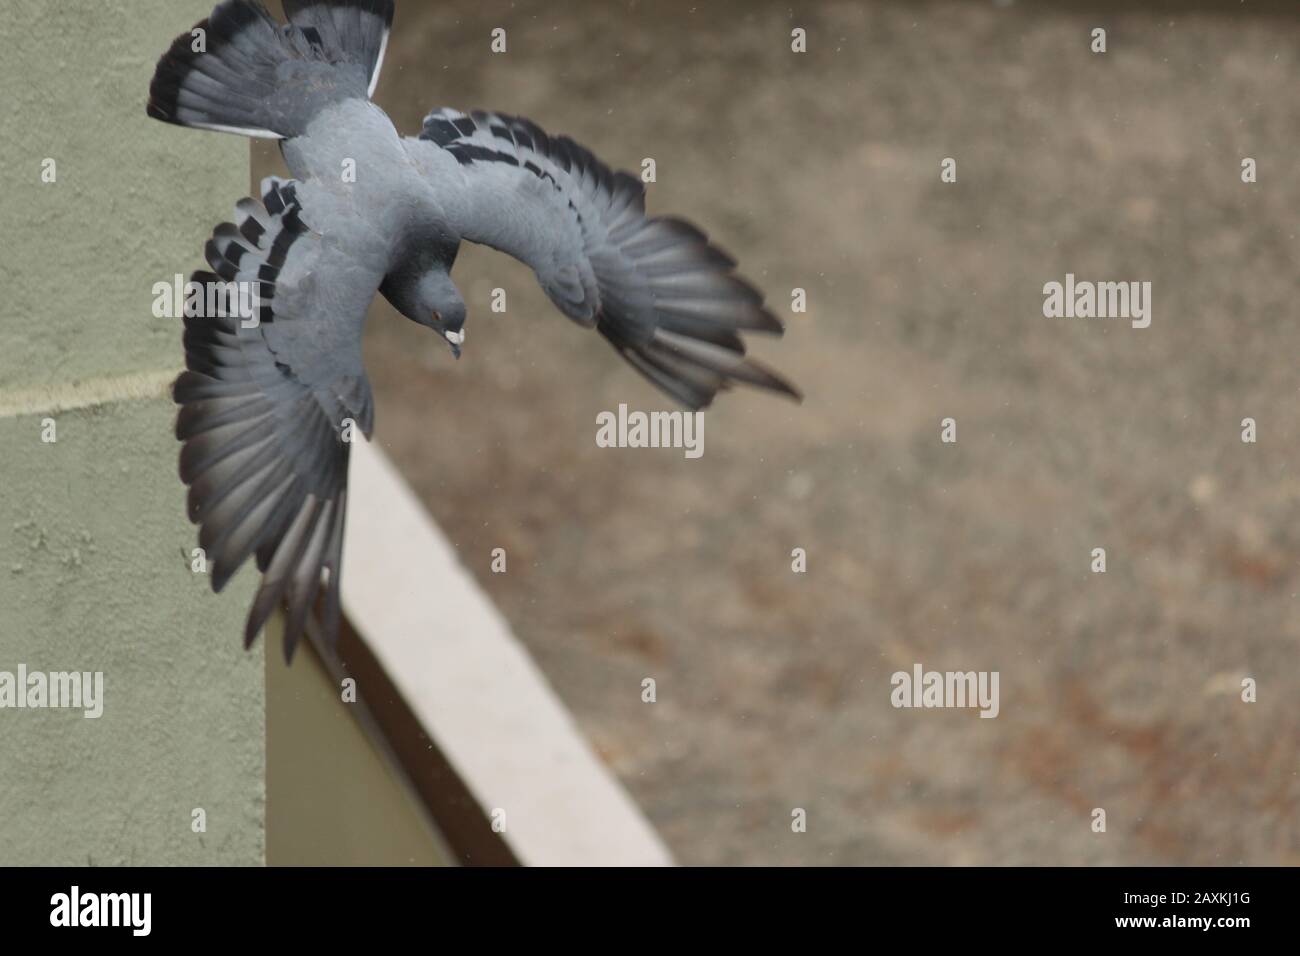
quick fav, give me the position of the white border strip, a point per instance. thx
(69, 396)
(473, 686)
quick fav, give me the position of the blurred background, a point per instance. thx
(821, 171)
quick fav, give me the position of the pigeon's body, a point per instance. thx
(269, 407)
(353, 159)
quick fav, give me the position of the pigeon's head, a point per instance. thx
(432, 300)
(449, 322)
(442, 308)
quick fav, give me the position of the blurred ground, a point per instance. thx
(822, 171)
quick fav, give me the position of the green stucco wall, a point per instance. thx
(94, 568)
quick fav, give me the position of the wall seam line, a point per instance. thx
(89, 393)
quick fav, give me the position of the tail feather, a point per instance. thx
(241, 71)
(357, 27)
(221, 75)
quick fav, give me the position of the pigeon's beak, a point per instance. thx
(457, 339)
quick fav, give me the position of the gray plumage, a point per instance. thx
(267, 407)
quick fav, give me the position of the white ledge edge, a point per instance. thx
(474, 687)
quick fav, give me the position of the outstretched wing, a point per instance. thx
(665, 298)
(273, 379)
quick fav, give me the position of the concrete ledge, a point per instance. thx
(474, 688)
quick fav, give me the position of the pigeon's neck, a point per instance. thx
(402, 290)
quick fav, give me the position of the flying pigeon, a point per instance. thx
(269, 402)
